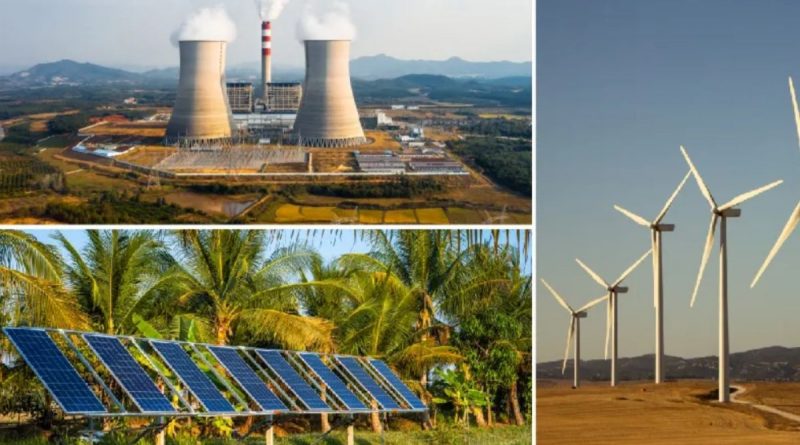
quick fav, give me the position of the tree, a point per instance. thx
(115, 275)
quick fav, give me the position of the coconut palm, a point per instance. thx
(31, 286)
(227, 278)
(116, 275)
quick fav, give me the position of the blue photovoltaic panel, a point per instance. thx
(354, 368)
(387, 373)
(247, 378)
(333, 381)
(54, 370)
(298, 386)
(129, 374)
(197, 382)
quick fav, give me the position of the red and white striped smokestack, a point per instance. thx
(266, 55)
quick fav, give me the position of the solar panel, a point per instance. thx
(333, 381)
(354, 368)
(247, 378)
(197, 382)
(394, 381)
(57, 374)
(292, 379)
(129, 374)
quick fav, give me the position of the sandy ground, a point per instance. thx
(643, 413)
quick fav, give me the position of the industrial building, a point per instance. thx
(202, 113)
(328, 116)
(380, 163)
(240, 96)
(441, 166)
(283, 97)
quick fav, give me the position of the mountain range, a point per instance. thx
(775, 363)
(69, 72)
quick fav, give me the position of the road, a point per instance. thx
(741, 390)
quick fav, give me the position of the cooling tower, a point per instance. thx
(328, 116)
(202, 113)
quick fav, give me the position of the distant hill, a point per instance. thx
(69, 72)
(387, 67)
(774, 363)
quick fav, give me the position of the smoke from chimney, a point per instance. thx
(210, 24)
(331, 24)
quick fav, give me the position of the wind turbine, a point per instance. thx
(656, 230)
(613, 290)
(721, 214)
(794, 218)
(574, 332)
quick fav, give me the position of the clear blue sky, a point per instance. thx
(138, 32)
(622, 83)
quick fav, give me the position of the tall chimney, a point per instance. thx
(266, 55)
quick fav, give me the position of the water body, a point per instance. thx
(220, 204)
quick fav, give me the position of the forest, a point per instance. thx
(450, 311)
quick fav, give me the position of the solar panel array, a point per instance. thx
(368, 383)
(69, 390)
(332, 381)
(247, 378)
(270, 380)
(293, 380)
(129, 374)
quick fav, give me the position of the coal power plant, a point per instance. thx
(202, 113)
(328, 116)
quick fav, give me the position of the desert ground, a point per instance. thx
(679, 412)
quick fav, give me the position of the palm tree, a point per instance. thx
(31, 286)
(226, 278)
(116, 275)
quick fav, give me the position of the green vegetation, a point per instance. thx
(411, 301)
(112, 208)
(400, 188)
(507, 162)
(19, 173)
(514, 128)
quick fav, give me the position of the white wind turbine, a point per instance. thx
(574, 332)
(721, 214)
(613, 290)
(656, 229)
(794, 218)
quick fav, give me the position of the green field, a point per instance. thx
(511, 435)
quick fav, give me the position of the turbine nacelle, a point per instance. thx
(618, 289)
(663, 227)
(728, 213)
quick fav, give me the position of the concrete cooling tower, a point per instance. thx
(202, 114)
(328, 116)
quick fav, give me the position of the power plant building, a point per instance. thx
(240, 96)
(283, 97)
(328, 116)
(202, 112)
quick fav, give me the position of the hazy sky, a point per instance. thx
(622, 84)
(137, 33)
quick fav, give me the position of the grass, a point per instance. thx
(432, 216)
(370, 216)
(502, 435)
(318, 214)
(405, 216)
(458, 215)
(289, 213)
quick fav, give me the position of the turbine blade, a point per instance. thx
(706, 253)
(592, 274)
(636, 218)
(699, 179)
(569, 341)
(631, 269)
(749, 195)
(795, 108)
(608, 324)
(558, 297)
(794, 219)
(592, 303)
(672, 199)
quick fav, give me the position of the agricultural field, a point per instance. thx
(675, 412)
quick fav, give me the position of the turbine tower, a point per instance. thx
(574, 332)
(656, 230)
(794, 218)
(720, 214)
(613, 290)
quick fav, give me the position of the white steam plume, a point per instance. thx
(270, 9)
(331, 24)
(206, 24)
